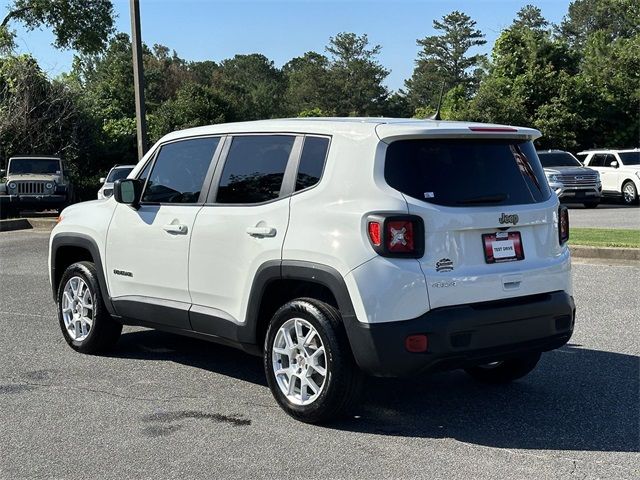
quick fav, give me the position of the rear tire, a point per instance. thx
(306, 344)
(591, 204)
(505, 371)
(629, 193)
(85, 322)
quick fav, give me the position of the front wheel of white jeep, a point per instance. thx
(308, 362)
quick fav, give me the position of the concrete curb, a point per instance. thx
(608, 253)
(13, 224)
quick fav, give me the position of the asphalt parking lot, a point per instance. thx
(162, 406)
(606, 215)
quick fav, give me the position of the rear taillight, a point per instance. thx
(375, 233)
(563, 224)
(396, 236)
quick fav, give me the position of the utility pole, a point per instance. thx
(138, 78)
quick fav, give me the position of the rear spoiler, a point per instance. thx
(388, 133)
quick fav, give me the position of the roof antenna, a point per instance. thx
(436, 116)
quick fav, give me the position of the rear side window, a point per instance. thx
(597, 161)
(178, 173)
(314, 154)
(254, 168)
(467, 172)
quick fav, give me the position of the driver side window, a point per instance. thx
(179, 171)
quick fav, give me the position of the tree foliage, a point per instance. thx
(445, 59)
(82, 25)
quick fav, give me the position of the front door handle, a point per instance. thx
(261, 232)
(177, 228)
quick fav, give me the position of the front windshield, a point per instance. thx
(558, 159)
(118, 174)
(48, 166)
(630, 158)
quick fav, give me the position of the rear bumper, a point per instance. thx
(465, 335)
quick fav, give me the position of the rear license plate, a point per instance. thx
(502, 247)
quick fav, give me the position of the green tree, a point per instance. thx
(82, 25)
(356, 76)
(613, 18)
(253, 85)
(445, 59)
(308, 84)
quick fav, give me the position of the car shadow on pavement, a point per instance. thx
(576, 399)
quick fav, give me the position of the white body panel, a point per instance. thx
(158, 260)
(225, 258)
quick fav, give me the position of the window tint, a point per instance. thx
(314, 153)
(609, 159)
(467, 172)
(630, 158)
(179, 170)
(118, 174)
(145, 172)
(254, 168)
(558, 159)
(597, 161)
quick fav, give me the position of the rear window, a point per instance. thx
(118, 174)
(558, 159)
(467, 172)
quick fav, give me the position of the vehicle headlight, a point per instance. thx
(11, 185)
(553, 178)
(48, 186)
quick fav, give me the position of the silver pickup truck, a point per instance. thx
(34, 182)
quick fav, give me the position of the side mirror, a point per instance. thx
(102, 179)
(614, 164)
(127, 191)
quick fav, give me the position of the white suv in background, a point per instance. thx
(118, 172)
(619, 172)
(330, 247)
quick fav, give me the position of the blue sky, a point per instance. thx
(281, 30)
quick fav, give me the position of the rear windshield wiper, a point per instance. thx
(497, 198)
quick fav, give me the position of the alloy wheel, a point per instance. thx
(299, 361)
(77, 308)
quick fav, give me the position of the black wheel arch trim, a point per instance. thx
(84, 241)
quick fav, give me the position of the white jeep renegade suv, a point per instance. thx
(331, 247)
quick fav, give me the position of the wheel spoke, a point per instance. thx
(320, 369)
(282, 351)
(317, 355)
(288, 339)
(299, 334)
(292, 385)
(313, 385)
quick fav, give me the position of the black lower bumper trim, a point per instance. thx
(465, 335)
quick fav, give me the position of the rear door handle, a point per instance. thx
(261, 232)
(177, 228)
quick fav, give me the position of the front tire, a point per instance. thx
(629, 193)
(505, 371)
(308, 362)
(85, 322)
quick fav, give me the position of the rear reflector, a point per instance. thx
(416, 343)
(374, 233)
(493, 129)
(399, 236)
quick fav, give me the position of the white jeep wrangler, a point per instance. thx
(331, 247)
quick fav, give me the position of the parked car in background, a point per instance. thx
(34, 182)
(619, 170)
(118, 172)
(571, 181)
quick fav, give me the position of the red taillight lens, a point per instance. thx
(375, 233)
(563, 224)
(399, 236)
(416, 343)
